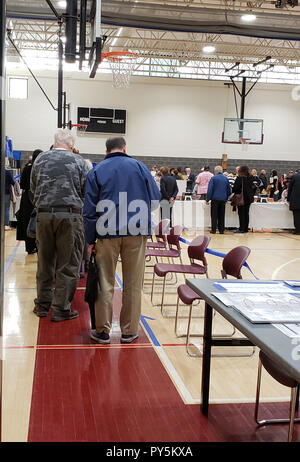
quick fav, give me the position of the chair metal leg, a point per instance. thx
(163, 295)
(200, 354)
(292, 412)
(188, 335)
(293, 403)
(257, 391)
(152, 288)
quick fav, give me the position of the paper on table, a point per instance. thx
(291, 330)
(293, 283)
(263, 288)
(264, 308)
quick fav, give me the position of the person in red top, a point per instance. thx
(202, 180)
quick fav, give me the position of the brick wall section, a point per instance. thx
(282, 166)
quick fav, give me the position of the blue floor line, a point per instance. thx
(10, 260)
(143, 318)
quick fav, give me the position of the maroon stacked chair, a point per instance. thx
(196, 253)
(231, 266)
(174, 248)
(285, 379)
(233, 262)
(160, 235)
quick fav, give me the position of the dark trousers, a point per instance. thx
(243, 212)
(30, 244)
(217, 212)
(60, 241)
(166, 209)
(296, 214)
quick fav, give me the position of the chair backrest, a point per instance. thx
(160, 230)
(234, 260)
(173, 237)
(197, 248)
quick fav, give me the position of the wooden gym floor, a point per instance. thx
(60, 386)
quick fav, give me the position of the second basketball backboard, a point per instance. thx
(237, 130)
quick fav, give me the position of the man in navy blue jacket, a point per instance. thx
(120, 194)
(218, 193)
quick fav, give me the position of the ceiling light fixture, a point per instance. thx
(248, 17)
(62, 4)
(209, 49)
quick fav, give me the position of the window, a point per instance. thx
(18, 88)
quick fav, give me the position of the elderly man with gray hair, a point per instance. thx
(57, 182)
(218, 193)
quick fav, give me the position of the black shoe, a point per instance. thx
(64, 316)
(212, 232)
(296, 232)
(40, 311)
(31, 252)
(102, 338)
(221, 232)
(128, 338)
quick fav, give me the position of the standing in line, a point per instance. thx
(218, 193)
(293, 197)
(117, 218)
(169, 191)
(190, 180)
(263, 179)
(244, 184)
(273, 183)
(26, 206)
(9, 182)
(57, 182)
(202, 181)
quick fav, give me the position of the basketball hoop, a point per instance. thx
(122, 64)
(81, 128)
(245, 143)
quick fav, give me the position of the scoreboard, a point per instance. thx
(102, 120)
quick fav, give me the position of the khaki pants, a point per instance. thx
(132, 251)
(60, 240)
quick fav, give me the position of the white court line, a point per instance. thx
(274, 275)
(175, 377)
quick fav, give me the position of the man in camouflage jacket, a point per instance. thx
(57, 182)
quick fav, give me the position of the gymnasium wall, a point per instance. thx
(166, 118)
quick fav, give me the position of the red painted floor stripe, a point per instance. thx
(77, 331)
(121, 394)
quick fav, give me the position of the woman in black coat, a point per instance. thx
(293, 198)
(26, 207)
(244, 182)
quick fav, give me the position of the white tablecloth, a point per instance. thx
(195, 215)
(274, 215)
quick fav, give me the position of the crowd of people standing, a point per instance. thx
(219, 187)
(77, 206)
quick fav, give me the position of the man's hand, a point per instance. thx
(171, 200)
(91, 248)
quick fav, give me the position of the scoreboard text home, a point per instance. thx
(101, 120)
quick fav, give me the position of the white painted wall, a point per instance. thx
(165, 117)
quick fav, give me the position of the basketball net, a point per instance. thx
(81, 128)
(245, 143)
(122, 66)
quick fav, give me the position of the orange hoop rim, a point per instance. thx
(245, 140)
(119, 55)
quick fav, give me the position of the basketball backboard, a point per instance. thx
(96, 39)
(236, 130)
